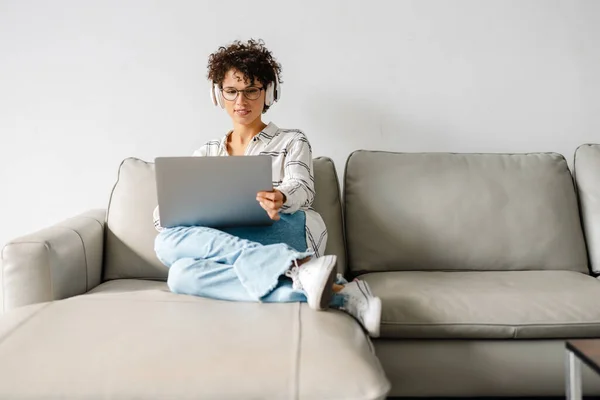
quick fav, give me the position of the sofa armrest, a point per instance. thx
(57, 262)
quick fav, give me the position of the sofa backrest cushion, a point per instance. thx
(130, 233)
(587, 176)
(441, 211)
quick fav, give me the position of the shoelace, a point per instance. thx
(364, 290)
(294, 274)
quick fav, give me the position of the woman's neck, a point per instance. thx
(242, 134)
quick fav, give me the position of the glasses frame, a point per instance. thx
(244, 91)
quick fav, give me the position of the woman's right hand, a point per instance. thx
(271, 202)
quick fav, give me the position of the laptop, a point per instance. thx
(216, 192)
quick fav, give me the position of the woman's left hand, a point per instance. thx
(271, 202)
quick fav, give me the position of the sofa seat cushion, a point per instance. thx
(133, 339)
(487, 304)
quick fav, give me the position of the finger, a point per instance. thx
(274, 215)
(263, 197)
(271, 206)
(271, 196)
(277, 196)
(264, 206)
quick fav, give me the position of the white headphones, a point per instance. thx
(272, 93)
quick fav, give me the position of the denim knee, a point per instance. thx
(176, 277)
(160, 247)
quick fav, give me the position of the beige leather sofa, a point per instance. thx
(480, 260)
(481, 264)
(118, 333)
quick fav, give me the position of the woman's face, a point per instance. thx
(242, 110)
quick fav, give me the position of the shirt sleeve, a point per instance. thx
(157, 220)
(298, 183)
(201, 152)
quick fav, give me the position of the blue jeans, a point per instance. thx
(210, 263)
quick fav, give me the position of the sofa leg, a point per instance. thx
(573, 378)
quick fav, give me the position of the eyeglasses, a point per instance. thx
(251, 93)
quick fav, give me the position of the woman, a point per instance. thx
(280, 263)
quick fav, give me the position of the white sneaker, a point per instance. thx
(362, 305)
(315, 277)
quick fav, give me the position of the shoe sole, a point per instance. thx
(373, 325)
(327, 290)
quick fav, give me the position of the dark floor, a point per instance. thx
(488, 398)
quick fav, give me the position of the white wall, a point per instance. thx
(84, 84)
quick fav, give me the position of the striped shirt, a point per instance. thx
(293, 175)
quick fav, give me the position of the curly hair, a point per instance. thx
(251, 58)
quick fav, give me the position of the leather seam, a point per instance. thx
(501, 325)
(87, 279)
(344, 197)
(3, 281)
(88, 297)
(19, 325)
(143, 278)
(107, 215)
(51, 283)
(296, 362)
(85, 258)
(94, 219)
(341, 216)
(112, 192)
(580, 208)
(84, 255)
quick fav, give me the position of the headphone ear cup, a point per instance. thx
(270, 94)
(213, 97)
(277, 91)
(217, 96)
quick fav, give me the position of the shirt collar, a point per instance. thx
(264, 136)
(268, 133)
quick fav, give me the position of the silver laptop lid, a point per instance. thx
(212, 191)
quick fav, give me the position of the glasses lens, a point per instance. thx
(229, 94)
(252, 93)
